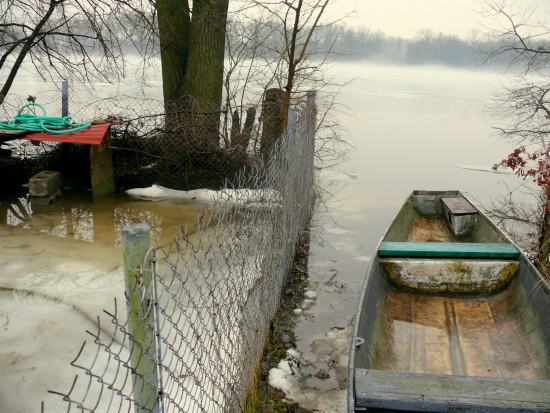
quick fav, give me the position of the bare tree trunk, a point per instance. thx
(240, 138)
(274, 120)
(174, 25)
(204, 76)
(292, 59)
(235, 128)
(247, 128)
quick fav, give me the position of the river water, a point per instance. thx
(410, 127)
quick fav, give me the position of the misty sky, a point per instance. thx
(406, 17)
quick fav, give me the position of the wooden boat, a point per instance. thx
(452, 317)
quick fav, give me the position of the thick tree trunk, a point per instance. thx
(204, 76)
(174, 27)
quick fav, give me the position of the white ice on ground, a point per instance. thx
(236, 197)
(291, 352)
(52, 291)
(286, 376)
(307, 303)
(298, 311)
(332, 350)
(312, 295)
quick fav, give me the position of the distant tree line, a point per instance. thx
(427, 47)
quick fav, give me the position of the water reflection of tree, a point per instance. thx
(129, 215)
(16, 211)
(80, 221)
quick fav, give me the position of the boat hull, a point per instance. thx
(438, 352)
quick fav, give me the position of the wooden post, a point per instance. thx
(273, 118)
(101, 168)
(136, 243)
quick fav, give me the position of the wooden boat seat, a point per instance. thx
(503, 251)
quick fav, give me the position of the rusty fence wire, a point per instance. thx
(191, 332)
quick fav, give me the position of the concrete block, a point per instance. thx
(45, 184)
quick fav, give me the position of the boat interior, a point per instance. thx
(449, 299)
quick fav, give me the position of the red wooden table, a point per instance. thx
(94, 135)
(101, 158)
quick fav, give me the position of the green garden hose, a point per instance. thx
(35, 123)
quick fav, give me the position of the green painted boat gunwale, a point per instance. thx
(448, 250)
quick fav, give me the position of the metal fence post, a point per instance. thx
(136, 247)
(64, 98)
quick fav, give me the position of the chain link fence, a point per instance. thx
(192, 331)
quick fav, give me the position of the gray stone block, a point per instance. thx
(45, 184)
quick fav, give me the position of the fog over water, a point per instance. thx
(410, 127)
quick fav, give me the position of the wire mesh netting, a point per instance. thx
(192, 331)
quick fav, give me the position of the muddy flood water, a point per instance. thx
(410, 127)
(60, 265)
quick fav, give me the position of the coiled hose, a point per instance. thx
(49, 124)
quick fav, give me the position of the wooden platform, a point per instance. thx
(491, 337)
(440, 393)
(458, 205)
(101, 158)
(94, 135)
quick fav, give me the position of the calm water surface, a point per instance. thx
(412, 128)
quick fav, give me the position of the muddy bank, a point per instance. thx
(281, 340)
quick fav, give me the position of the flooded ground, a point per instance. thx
(412, 128)
(60, 265)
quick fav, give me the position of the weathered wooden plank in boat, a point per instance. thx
(439, 393)
(448, 250)
(490, 337)
(458, 205)
(431, 229)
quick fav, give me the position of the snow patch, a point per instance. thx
(291, 352)
(286, 376)
(298, 311)
(311, 294)
(331, 350)
(234, 197)
(307, 303)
